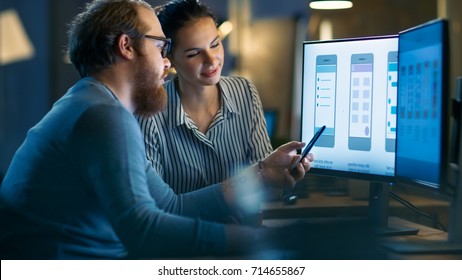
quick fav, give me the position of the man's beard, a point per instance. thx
(149, 100)
(150, 96)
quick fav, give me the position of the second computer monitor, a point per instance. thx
(350, 85)
(423, 144)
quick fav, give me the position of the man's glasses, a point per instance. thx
(165, 49)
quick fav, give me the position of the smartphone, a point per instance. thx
(325, 98)
(392, 96)
(310, 145)
(360, 116)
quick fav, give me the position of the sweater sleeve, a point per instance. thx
(143, 210)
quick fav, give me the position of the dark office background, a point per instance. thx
(29, 88)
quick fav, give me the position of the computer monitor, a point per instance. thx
(423, 125)
(350, 86)
(423, 112)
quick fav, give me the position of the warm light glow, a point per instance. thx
(325, 30)
(330, 5)
(225, 28)
(15, 45)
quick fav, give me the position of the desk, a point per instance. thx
(322, 207)
(426, 234)
(319, 205)
(316, 205)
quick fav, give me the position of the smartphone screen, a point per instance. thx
(392, 91)
(360, 123)
(325, 90)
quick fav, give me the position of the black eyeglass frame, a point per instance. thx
(167, 44)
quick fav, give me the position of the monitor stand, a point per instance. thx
(378, 212)
(453, 245)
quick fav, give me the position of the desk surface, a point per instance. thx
(321, 206)
(429, 243)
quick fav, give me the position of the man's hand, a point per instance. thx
(275, 168)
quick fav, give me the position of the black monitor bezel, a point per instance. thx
(443, 186)
(340, 173)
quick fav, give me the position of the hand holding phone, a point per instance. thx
(310, 145)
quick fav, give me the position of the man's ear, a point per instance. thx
(124, 46)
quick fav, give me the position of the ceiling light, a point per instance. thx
(330, 5)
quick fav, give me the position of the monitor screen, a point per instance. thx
(423, 112)
(350, 86)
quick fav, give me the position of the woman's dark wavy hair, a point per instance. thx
(94, 33)
(176, 14)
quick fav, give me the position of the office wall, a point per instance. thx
(454, 14)
(378, 17)
(24, 85)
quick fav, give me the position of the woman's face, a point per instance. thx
(197, 53)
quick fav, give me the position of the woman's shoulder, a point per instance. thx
(235, 79)
(237, 83)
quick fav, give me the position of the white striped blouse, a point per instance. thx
(188, 159)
